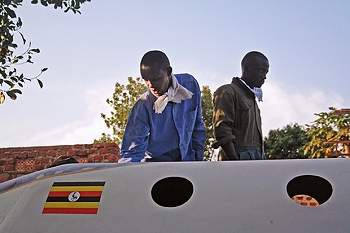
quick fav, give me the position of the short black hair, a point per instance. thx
(61, 160)
(251, 55)
(155, 58)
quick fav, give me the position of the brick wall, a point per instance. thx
(18, 161)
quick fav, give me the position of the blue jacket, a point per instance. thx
(143, 124)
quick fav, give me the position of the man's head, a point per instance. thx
(156, 71)
(255, 66)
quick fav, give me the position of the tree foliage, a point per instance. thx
(328, 127)
(286, 143)
(122, 101)
(124, 98)
(12, 54)
(207, 111)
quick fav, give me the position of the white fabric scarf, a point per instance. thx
(256, 90)
(176, 93)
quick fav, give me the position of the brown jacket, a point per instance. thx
(236, 116)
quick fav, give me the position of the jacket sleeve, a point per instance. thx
(198, 135)
(223, 116)
(135, 140)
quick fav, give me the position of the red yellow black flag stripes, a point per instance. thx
(74, 198)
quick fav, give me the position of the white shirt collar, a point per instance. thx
(256, 90)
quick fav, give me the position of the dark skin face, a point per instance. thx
(157, 78)
(254, 72)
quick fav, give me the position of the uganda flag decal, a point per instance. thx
(74, 198)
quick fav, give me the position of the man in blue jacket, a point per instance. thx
(166, 122)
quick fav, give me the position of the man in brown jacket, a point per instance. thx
(236, 117)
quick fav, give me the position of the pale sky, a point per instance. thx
(307, 43)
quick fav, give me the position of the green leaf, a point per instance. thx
(35, 50)
(19, 22)
(14, 79)
(45, 69)
(11, 95)
(16, 91)
(34, 1)
(3, 73)
(20, 78)
(9, 83)
(40, 83)
(44, 3)
(10, 12)
(13, 45)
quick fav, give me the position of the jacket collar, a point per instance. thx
(239, 83)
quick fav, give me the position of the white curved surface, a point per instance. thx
(229, 197)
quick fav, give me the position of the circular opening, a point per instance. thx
(309, 190)
(172, 191)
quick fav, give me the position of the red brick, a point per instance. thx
(4, 177)
(82, 153)
(92, 150)
(98, 145)
(38, 166)
(51, 153)
(92, 155)
(22, 155)
(45, 161)
(97, 158)
(25, 165)
(33, 154)
(112, 158)
(71, 152)
(103, 151)
(7, 154)
(9, 167)
(10, 155)
(10, 161)
(23, 160)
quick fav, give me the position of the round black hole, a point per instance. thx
(309, 190)
(172, 191)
